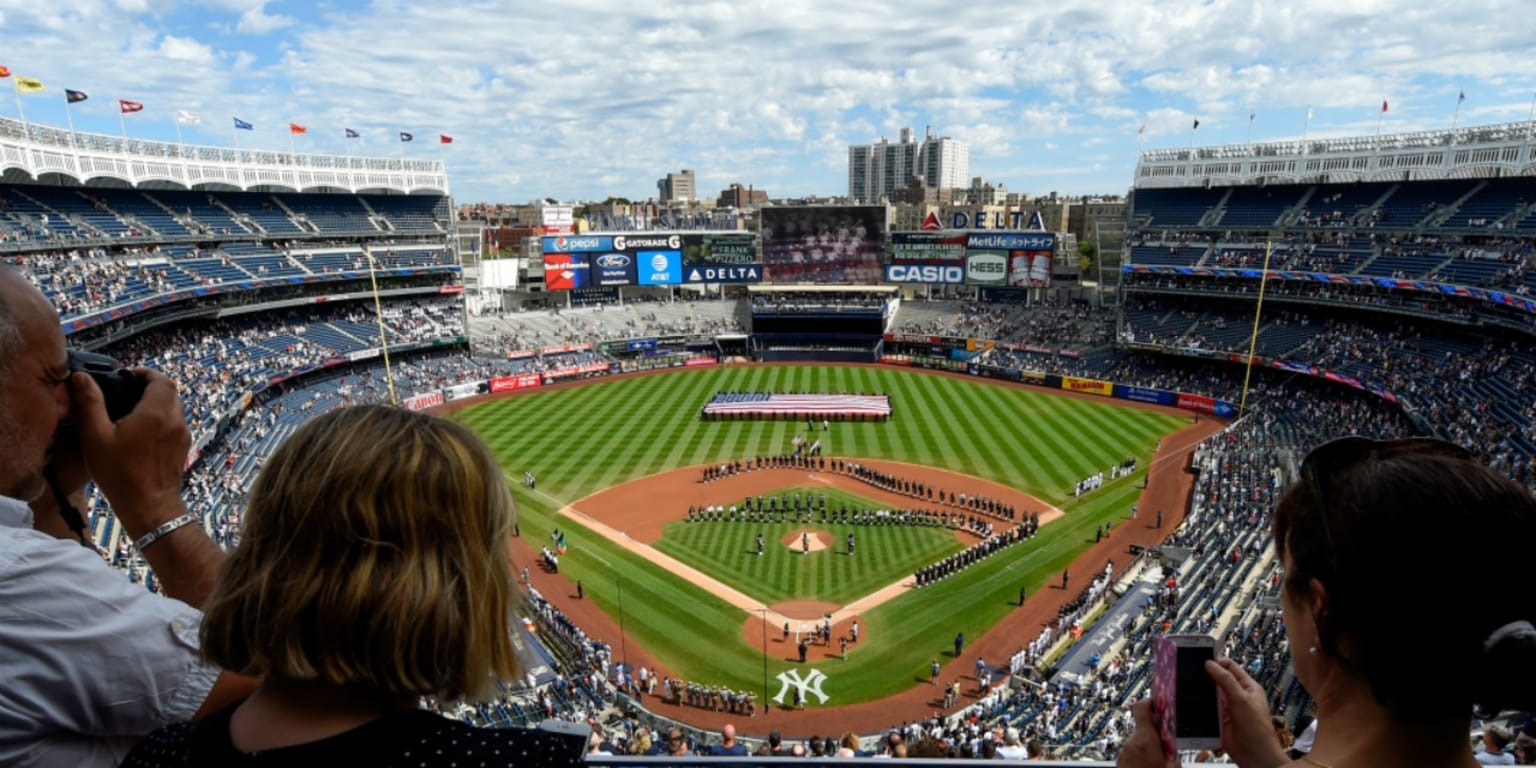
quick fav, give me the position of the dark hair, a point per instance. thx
(1400, 523)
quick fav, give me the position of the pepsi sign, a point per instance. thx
(575, 244)
(924, 273)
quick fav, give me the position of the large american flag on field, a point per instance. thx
(810, 406)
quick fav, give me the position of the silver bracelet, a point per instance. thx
(162, 529)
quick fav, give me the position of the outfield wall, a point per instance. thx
(1189, 401)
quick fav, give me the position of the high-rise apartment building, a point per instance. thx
(877, 170)
(677, 188)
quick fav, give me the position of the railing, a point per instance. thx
(1475, 152)
(41, 150)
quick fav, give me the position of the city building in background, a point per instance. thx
(677, 187)
(876, 171)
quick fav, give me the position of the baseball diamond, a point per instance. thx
(619, 464)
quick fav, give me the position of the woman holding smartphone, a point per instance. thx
(1364, 537)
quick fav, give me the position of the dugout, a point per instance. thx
(820, 323)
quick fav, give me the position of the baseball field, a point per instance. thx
(580, 440)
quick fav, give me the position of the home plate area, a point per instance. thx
(807, 541)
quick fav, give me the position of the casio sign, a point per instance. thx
(612, 261)
(927, 273)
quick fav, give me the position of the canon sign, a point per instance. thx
(633, 242)
(924, 273)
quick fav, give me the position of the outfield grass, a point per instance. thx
(883, 553)
(580, 440)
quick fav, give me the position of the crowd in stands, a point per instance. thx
(1051, 323)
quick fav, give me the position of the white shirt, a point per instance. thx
(90, 662)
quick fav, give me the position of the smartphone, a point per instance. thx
(1186, 693)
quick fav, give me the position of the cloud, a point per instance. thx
(255, 21)
(598, 97)
(185, 49)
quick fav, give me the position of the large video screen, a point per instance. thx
(825, 244)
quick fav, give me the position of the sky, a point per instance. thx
(585, 99)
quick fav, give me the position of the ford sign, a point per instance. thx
(612, 261)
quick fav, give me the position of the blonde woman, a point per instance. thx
(373, 571)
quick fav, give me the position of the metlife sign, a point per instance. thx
(924, 274)
(1010, 241)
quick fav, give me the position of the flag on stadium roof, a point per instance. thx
(443, 139)
(29, 85)
(241, 125)
(74, 96)
(183, 116)
(1383, 105)
(129, 107)
(296, 129)
(5, 71)
(406, 136)
(351, 134)
(1142, 129)
(1197, 125)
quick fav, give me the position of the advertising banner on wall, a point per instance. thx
(1090, 386)
(566, 271)
(928, 247)
(613, 269)
(986, 267)
(727, 257)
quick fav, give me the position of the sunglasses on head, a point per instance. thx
(1327, 462)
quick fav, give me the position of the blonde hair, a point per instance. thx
(374, 555)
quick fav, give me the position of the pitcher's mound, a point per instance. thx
(807, 541)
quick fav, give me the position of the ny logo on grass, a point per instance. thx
(810, 685)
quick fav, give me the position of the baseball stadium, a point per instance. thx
(766, 479)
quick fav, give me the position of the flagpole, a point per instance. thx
(1307, 124)
(1250, 127)
(1530, 121)
(378, 310)
(74, 144)
(122, 121)
(25, 127)
(1253, 338)
(1457, 113)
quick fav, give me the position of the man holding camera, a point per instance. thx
(92, 662)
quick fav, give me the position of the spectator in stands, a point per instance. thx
(91, 662)
(1383, 705)
(728, 745)
(374, 571)
(1495, 739)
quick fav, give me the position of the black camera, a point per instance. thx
(120, 388)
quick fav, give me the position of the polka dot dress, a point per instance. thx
(408, 739)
